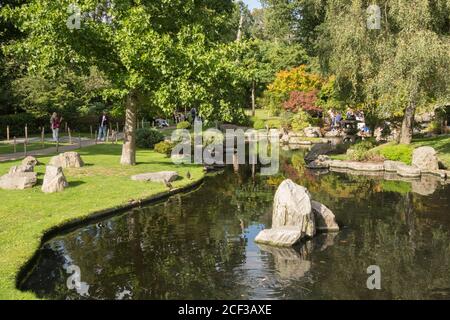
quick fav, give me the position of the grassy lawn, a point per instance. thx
(262, 114)
(399, 152)
(103, 183)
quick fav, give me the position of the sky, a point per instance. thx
(252, 4)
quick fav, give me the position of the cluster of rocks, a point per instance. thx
(296, 217)
(22, 176)
(424, 161)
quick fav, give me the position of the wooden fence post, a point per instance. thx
(70, 135)
(7, 133)
(25, 147)
(42, 136)
(26, 133)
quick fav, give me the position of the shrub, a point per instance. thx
(259, 124)
(299, 100)
(164, 147)
(148, 137)
(300, 121)
(361, 151)
(184, 125)
(396, 152)
(273, 124)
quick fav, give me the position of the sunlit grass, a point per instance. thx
(103, 183)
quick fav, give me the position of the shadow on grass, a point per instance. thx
(77, 183)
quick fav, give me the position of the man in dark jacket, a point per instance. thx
(103, 123)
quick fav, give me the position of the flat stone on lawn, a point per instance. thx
(280, 237)
(18, 180)
(162, 176)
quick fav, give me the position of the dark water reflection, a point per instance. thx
(200, 245)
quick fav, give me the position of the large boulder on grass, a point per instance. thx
(425, 158)
(30, 161)
(18, 180)
(67, 160)
(292, 218)
(21, 168)
(54, 180)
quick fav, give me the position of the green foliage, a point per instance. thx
(396, 152)
(403, 64)
(148, 137)
(362, 151)
(259, 124)
(300, 121)
(17, 123)
(274, 124)
(164, 147)
(184, 125)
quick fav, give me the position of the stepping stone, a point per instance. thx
(162, 176)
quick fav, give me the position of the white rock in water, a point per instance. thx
(67, 160)
(18, 180)
(425, 159)
(54, 180)
(279, 237)
(162, 176)
(292, 218)
(21, 168)
(292, 208)
(324, 218)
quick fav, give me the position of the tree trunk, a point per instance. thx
(408, 123)
(241, 25)
(253, 98)
(129, 144)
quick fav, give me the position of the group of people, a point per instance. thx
(103, 123)
(189, 116)
(336, 119)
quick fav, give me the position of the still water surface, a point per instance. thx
(200, 245)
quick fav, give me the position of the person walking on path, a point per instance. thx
(103, 123)
(55, 124)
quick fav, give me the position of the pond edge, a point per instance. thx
(94, 216)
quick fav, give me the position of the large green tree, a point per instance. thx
(398, 65)
(142, 46)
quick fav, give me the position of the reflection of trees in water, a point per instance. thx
(193, 246)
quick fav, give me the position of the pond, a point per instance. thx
(200, 245)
